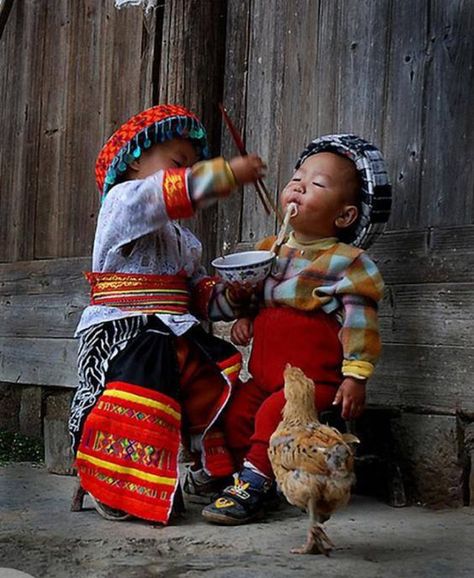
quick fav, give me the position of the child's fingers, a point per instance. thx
(338, 397)
(346, 412)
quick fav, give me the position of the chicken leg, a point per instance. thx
(318, 541)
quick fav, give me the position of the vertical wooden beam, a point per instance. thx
(21, 57)
(5, 7)
(191, 74)
(447, 178)
(234, 99)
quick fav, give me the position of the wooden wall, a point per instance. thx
(71, 72)
(398, 72)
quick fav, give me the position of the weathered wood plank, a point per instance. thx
(21, 50)
(362, 66)
(38, 361)
(50, 276)
(50, 169)
(95, 47)
(191, 73)
(42, 298)
(447, 187)
(40, 315)
(435, 378)
(234, 98)
(264, 113)
(326, 77)
(437, 255)
(402, 130)
(301, 85)
(429, 314)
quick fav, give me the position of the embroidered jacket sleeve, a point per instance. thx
(137, 208)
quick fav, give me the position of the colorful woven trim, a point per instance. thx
(176, 195)
(134, 467)
(230, 367)
(376, 192)
(154, 125)
(146, 293)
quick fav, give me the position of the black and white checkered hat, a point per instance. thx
(376, 192)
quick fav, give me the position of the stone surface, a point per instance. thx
(57, 443)
(469, 449)
(10, 400)
(40, 536)
(430, 449)
(30, 417)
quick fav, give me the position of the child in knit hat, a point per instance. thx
(318, 309)
(150, 378)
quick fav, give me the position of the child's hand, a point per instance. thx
(242, 331)
(241, 292)
(352, 394)
(247, 169)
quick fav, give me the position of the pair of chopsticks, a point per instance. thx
(260, 186)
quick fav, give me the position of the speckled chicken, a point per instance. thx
(312, 462)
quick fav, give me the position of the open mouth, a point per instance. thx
(293, 207)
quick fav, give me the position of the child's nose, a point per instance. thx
(299, 188)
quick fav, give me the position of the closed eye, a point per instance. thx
(319, 185)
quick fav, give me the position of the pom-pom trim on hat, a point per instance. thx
(152, 126)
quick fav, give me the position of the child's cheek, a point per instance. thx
(283, 197)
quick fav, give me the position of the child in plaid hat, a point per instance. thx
(318, 309)
(150, 378)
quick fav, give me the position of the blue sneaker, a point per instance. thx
(241, 503)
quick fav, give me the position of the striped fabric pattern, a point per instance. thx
(140, 292)
(97, 347)
(127, 457)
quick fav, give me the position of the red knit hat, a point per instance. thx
(154, 125)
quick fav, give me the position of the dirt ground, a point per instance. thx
(40, 536)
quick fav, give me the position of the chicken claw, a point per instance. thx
(318, 542)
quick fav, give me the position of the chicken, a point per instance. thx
(312, 462)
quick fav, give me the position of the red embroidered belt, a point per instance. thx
(137, 292)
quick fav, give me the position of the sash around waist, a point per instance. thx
(140, 292)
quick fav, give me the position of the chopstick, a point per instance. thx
(260, 187)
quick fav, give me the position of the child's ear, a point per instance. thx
(134, 165)
(347, 216)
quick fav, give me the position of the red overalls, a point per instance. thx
(281, 335)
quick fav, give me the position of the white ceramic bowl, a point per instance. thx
(247, 267)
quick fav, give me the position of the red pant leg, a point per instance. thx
(203, 392)
(239, 417)
(267, 419)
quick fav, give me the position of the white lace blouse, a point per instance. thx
(135, 235)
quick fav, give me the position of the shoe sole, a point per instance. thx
(196, 499)
(107, 515)
(228, 521)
